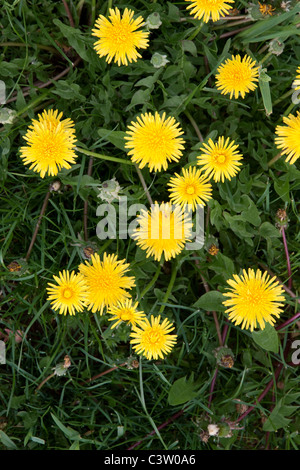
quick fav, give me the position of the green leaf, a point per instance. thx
(267, 338)
(68, 91)
(278, 418)
(189, 46)
(282, 188)
(223, 265)
(251, 214)
(7, 442)
(253, 33)
(211, 301)
(114, 137)
(268, 230)
(182, 390)
(68, 432)
(75, 39)
(265, 92)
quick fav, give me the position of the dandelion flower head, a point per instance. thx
(126, 312)
(163, 230)
(152, 338)
(288, 139)
(106, 281)
(119, 38)
(237, 76)
(191, 188)
(296, 82)
(254, 299)
(209, 9)
(50, 144)
(155, 141)
(69, 294)
(220, 160)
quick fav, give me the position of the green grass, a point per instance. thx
(129, 399)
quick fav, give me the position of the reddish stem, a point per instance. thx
(44, 207)
(212, 386)
(71, 21)
(262, 395)
(163, 425)
(288, 322)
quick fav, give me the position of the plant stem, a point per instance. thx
(212, 386)
(169, 289)
(283, 97)
(22, 44)
(274, 159)
(107, 371)
(239, 21)
(70, 17)
(45, 203)
(290, 281)
(262, 395)
(196, 32)
(161, 426)
(266, 57)
(152, 282)
(44, 381)
(194, 124)
(288, 110)
(144, 185)
(215, 316)
(288, 322)
(103, 157)
(93, 12)
(109, 5)
(26, 90)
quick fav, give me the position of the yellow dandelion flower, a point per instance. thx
(220, 160)
(266, 9)
(51, 143)
(152, 339)
(162, 231)
(237, 76)
(154, 141)
(106, 282)
(289, 137)
(191, 188)
(125, 312)
(209, 9)
(254, 299)
(119, 38)
(69, 294)
(296, 83)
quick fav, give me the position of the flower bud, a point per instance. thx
(276, 47)
(281, 219)
(159, 60)
(153, 21)
(109, 190)
(224, 357)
